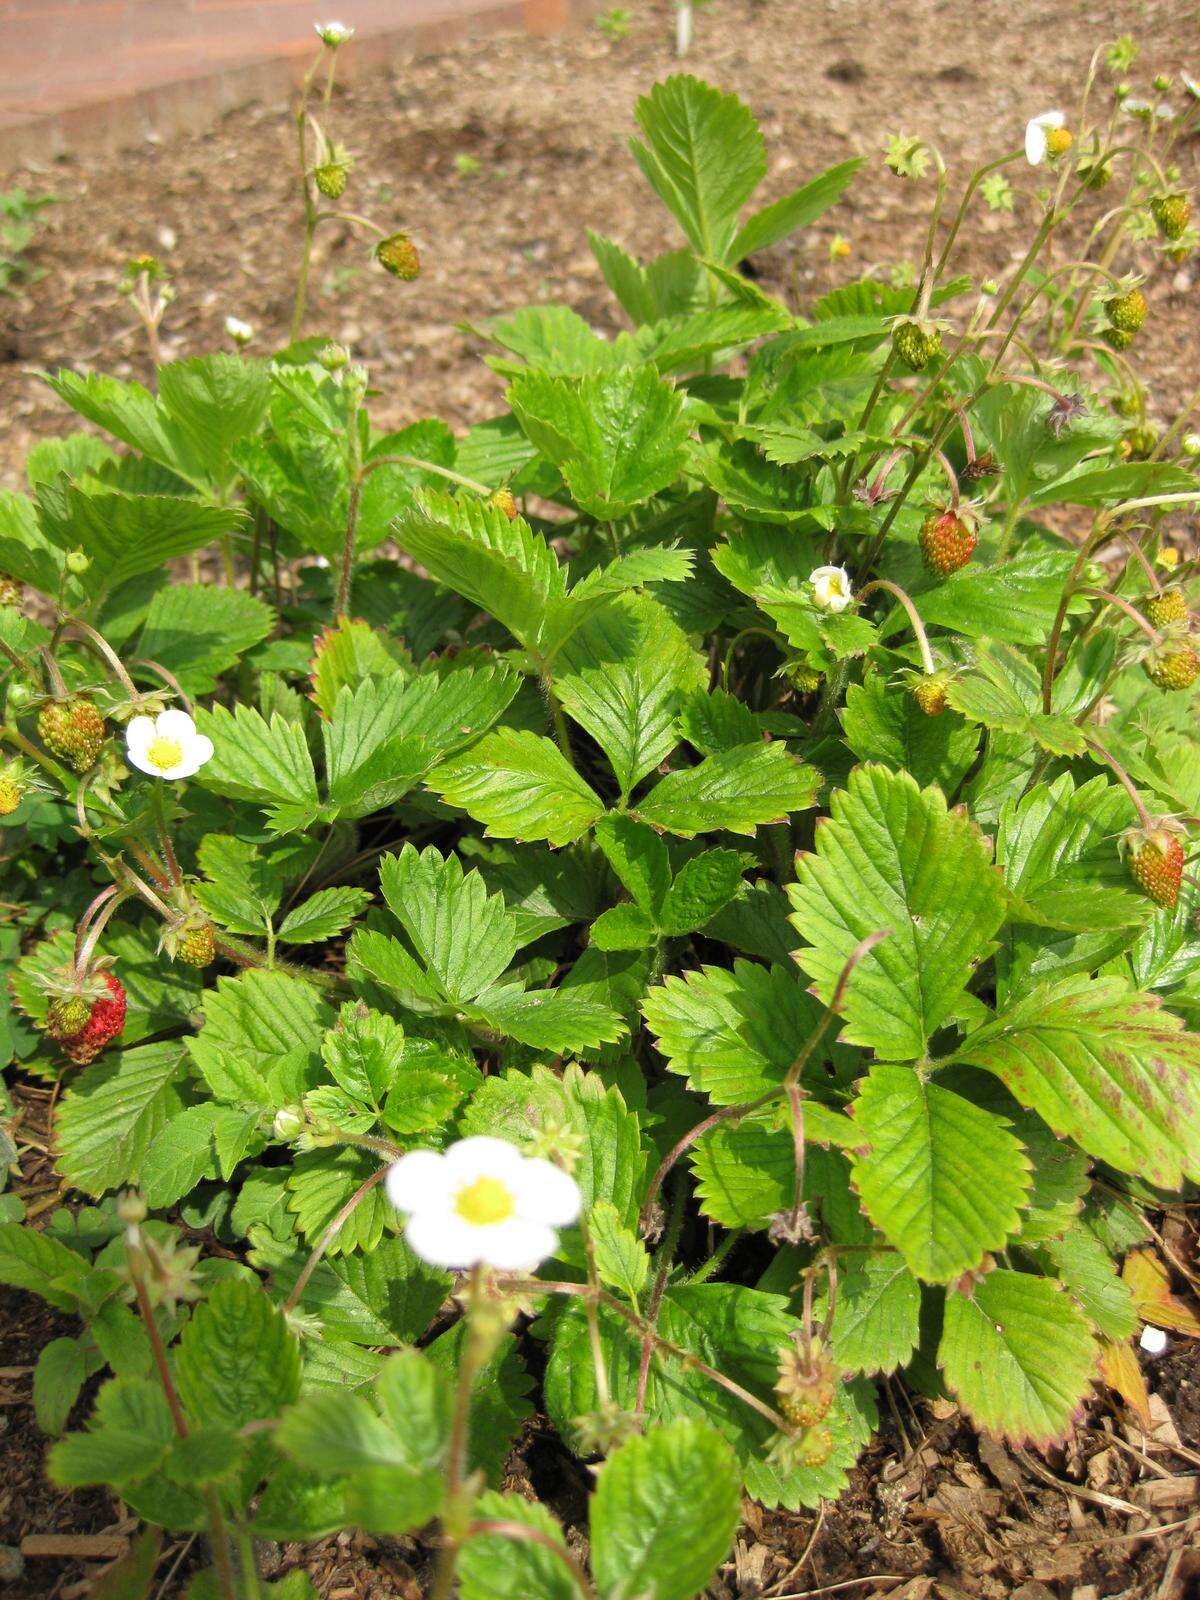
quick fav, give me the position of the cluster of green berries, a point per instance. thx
(1126, 315)
(806, 1389)
(916, 343)
(73, 730)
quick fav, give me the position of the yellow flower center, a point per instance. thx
(1059, 141)
(485, 1201)
(164, 753)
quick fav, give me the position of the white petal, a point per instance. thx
(545, 1193)
(483, 1156)
(1035, 144)
(138, 734)
(516, 1245)
(187, 768)
(175, 724)
(201, 749)
(416, 1179)
(443, 1239)
(137, 758)
(1153, 1340)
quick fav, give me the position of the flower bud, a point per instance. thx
(333, 357)
(78, 562)
(131, 1208)
(1191, 444)
(289, 1122)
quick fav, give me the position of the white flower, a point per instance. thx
(831, 587)
(333, 33)
(482, 1202)
(166, 746)
(1153, 1340)
(1035, 135)
(1192, 85)
(240, 332)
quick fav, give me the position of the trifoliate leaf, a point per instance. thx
(323, 915)
(622, 1260)
(892, 857)
(237, 1361)
(888, 725)
(198, 632)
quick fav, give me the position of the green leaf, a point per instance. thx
(321, 1183)
(322, 916)
(502, 567)
(548, 1019)
(266, 762)
(1003, 690)
(664, 1513)
(738, 789)
(182, 1154)
(892, 857)
(124, 535)
(1105, 1066)
(520, 786)
(213, 401)
(261, 1033)
(465, 937)
(553, 339)
(887, 725)
(198, 632)
(1091, 1278)
(496, 1566)
(617, 437)
(639, 858)
(114, 1112)
(733, 1033)
(37, 1262)
(499, 1399)
(127, 1438)
(383, 1297)
(1018, 1356)
(876, 1318)
(58, 1378)
(236, 1361)
(622, 927)
(703, 155)
(944, 1180)
(795, 210)
(621, 1258)
(243, 887)
(1057, 847)
(702, 887)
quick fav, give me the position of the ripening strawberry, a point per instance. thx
(504, 500)
(73, 730)
(1117, 339)
(1155, 858)
(397, 254)
(1127, 312)
(929, 691)
(11, 794)
(916, 343)
(948, 540)
(1165, 607)
(1172, 213)
(88, 1018)
(197, 946)
(1173, 665)
(807, 1384)
(10, 590)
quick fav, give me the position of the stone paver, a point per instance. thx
(111, 71)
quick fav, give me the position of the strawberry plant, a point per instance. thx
(660, 910)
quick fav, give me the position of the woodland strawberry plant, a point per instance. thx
(658, 911)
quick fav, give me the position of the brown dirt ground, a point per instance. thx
(548, 121)
(933, 1513)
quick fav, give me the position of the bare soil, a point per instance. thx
(933, 1513)
(548, 121)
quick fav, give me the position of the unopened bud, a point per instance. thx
(78, 562)
(1191, 444)
(333, 357)
(288, 1123)
(131, 1208)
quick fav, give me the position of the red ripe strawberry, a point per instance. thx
(948, 539)
(84, 1024)
(1156, 862)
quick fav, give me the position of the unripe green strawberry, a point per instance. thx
(10, 795)
(397, 254)
(1127, 311)
(807, 1384)
(73, 730)
(803, 678)
(1172, 213)
(10, 590)
(1155, 858)
(1117, 339)
(1096, 174)
(929, 691)
(1138, 442)
(67, 1016)
(916, 343)
(330, 178)
(948, 539)
(1166, 607)
(198, 946)
(816, 1447)
(1173, 665)
(504, 500)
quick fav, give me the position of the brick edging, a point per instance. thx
(191, 105)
